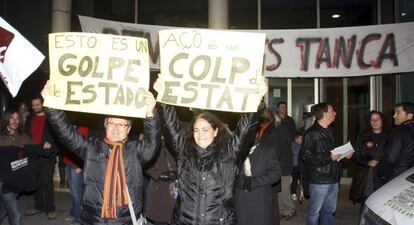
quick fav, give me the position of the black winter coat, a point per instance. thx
(255, 206)
(317, 146)
(369, 146)
(284, 148)
(95, 153)
(398, 152)
(206, 176)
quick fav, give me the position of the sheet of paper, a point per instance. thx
(344, 150)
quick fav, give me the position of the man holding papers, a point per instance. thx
(322, 166)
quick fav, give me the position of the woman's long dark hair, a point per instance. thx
(5, 122)
(223, 133)
(385, 127)
(219, 142)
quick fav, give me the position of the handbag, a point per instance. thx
(362, 184)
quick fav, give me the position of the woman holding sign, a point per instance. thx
(207, 164)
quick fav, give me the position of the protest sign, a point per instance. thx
(98, 73)
(18, 57)
(211, 69)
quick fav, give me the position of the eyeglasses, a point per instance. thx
(120, 125)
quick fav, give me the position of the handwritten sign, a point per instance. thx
(211, 69)
(306, 53)
(98, 73)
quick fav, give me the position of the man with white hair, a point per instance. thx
(113, 177)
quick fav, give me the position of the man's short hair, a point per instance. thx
(38, 97)
(281, 103)
(408, 107)
(320, 108)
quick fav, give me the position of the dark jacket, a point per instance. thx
(206, 176)
(159, 203)
(95, 153)
(284, 149)
(289, 123)
(254, 206)
(317, 146)
(398, 152)
(369, 146)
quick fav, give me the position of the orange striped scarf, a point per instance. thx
(115, 188)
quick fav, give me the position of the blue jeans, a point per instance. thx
(9, 205)
(322, 203)
(75, 184)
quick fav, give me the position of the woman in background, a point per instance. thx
(369, 147)
(260, 170)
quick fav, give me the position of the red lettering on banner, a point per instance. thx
(385, 49)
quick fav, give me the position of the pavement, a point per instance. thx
(347, 213)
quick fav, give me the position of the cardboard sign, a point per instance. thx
(98, 73)
(211, 69)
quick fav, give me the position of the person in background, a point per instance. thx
(160, 201)
(287, 121)
(23, 111)
(11, 134)
(260, 170)
(302, 167)
(63, 182)
(323, 168)
(39, 131)
(284, 141)
(369, 146)
(296, 145)
(74, 171)
(399, 151)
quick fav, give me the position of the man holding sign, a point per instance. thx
(91, 71)
(112, 165)
(108, 75)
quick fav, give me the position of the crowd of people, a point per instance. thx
(204, 174)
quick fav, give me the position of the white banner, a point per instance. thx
(211, 69)
(329, 52)
(98, 73)
(18, 57)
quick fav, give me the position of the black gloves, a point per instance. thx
(168, 176)
(245, 183)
